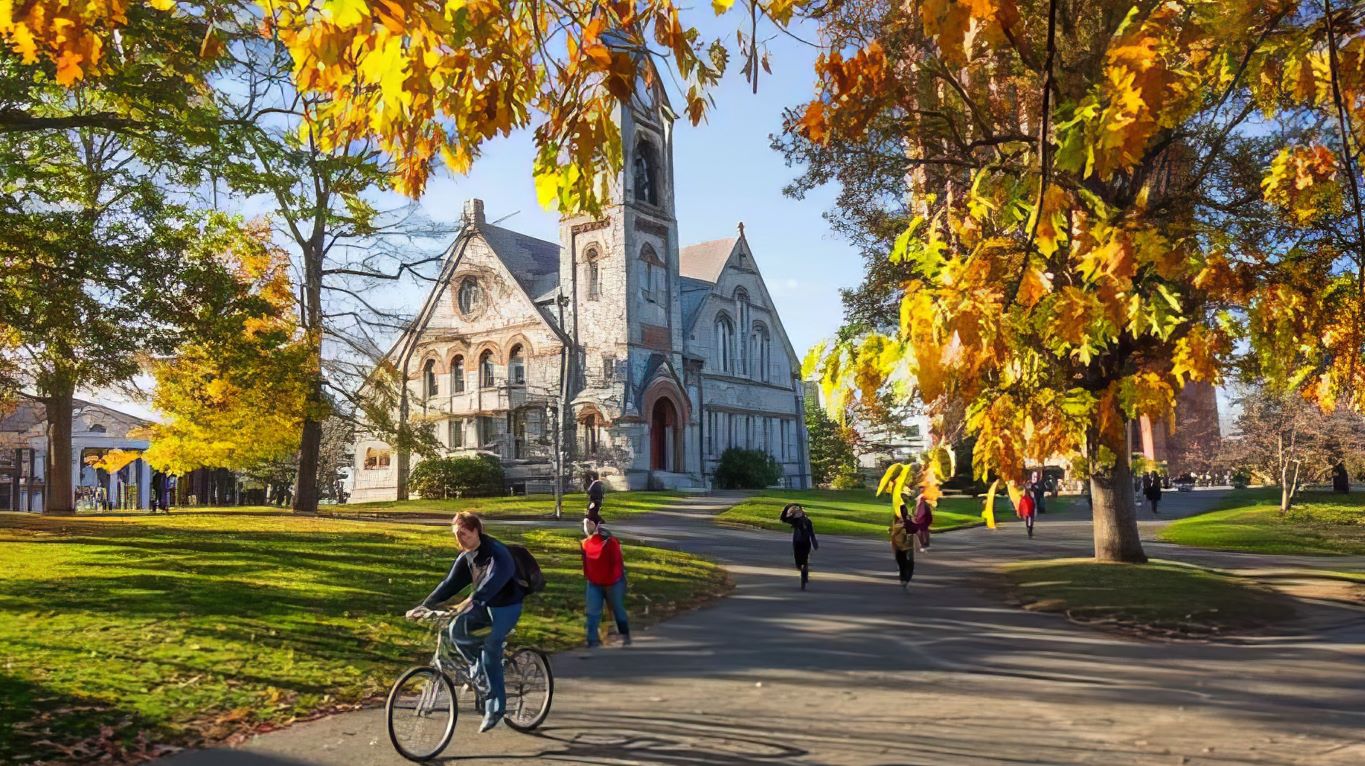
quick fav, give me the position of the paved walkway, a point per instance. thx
(857, 672)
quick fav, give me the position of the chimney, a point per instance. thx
(473, 213)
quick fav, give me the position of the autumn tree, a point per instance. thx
(327, 204)
(234, 394)
(1291, 441)
(1077, 172)
(100, 260)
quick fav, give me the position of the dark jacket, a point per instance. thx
(803, 532)
(492, 571)
(595, 492)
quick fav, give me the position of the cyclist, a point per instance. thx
(495, 603)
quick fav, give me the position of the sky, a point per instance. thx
(726, 173)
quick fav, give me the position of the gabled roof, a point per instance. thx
(706, 260)
(533, 262)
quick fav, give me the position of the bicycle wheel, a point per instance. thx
(421, 713)
(530, 688)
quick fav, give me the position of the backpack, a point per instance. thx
(528, 577)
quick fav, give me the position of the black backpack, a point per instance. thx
(529, 576)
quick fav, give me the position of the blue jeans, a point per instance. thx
(488, 649)
(597, 594)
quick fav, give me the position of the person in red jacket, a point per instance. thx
(605, 570)
(1027, 509)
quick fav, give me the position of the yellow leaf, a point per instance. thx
(989, 512)
(346, 13)
(721, 6)
(162, 5)
(887, 477)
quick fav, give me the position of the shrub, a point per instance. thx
(747, 469)
(446, 477)
(848, 478)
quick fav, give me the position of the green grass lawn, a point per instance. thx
(1320, 523)
(854, 512)
(1157, 598)
(192, 626)
(616, 505)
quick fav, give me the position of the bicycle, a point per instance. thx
(422, 706)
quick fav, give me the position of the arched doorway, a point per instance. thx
(664, 433)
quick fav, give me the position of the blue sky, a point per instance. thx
(726, 173)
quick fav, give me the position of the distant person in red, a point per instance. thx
(1027, 509)
(922, 519)
(605, 570)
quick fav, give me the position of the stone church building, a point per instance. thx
(665, 355)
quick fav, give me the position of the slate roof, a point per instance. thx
(534, 262)
(694, 292)
(706, 260)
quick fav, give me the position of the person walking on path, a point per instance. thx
(1152, 490)
(803, 538)
(604, 568)
(903, 545)
(1039, 490)
(596, 491)
(1026, 510)
(920, 522)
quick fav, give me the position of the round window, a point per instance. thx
(470, 296)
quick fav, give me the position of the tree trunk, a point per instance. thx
(404, 456)
(310, 441)
(1115, 514)
(306, 479)
(58, 494)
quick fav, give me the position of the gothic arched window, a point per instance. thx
(646, 171)
(594, 275)
(745, 330)
(516, 366)
(762, 352)
(486, 369)
(654, 285)
(429, 378)
(725, 344)
(457, 375)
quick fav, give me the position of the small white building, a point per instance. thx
(96, 429)
(668, 354)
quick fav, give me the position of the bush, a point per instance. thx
(747, 469)
(446, 477)
(1241, 478)
(848, 478)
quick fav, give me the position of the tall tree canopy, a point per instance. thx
(1107, 196)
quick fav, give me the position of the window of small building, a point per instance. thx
(376, 459)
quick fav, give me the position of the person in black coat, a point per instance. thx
(1152, 489)
(596, 491)
(803, 538)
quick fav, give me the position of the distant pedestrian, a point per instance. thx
(596, 491)
(1026, 510)
(1152, 490)
(803, 538)
(1039, 491)
(921, 520)
(604, 568)
(903, 544)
